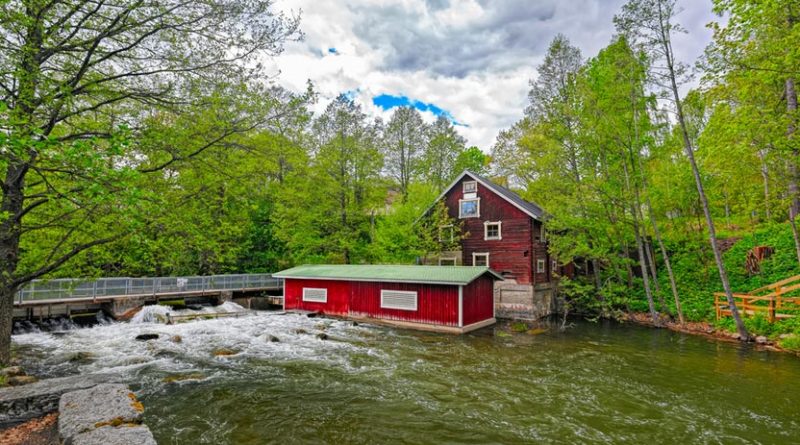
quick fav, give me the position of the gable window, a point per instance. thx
(399, 299)
(447, 233)
(491, 230)
(447, 261)
(470, 186)
(540, 266)
(480, 259)
(315, 295)
(469, 208)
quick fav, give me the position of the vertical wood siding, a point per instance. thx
(436, 304)
(338, 296)
(478, 300)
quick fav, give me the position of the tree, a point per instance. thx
(441, 153)
(472, 159)
(650, 23)
(73, 76)
(404, 142)
(325, 211)
(753, 54)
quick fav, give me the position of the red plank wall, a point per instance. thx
(436, 304)
(478, 300)
(338, 296)
(513, 255)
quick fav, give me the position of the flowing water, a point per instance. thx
(594, 383)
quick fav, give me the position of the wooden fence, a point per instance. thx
(775, 301)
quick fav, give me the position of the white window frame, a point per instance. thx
(407, 292)
(478, 208)
(455, 262)
(477, 254)
(324, 291)
(541, 265)
(486, 225)
(469, 187)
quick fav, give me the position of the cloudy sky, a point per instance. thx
(468, 59)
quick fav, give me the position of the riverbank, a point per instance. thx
(706, 329)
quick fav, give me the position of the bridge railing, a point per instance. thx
(67, 288)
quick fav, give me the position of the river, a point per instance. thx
(595, 383)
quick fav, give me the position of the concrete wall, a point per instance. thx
(524, 301)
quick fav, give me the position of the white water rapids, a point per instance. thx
(191, 347)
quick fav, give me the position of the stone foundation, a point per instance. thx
(523, 301)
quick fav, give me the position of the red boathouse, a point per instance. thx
(454, 299)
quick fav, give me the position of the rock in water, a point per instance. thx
(223, 352)
(761, 340)
(176, 339)
(300, 331)
(145, 337)
(12, 371)
(274, 339)
(322, 336)
(19, 380)
(311, 314)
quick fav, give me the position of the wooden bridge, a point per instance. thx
(44, 298)
(775, 301)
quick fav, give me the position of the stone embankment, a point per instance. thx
(91, 409)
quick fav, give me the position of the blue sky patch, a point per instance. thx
(388, 101)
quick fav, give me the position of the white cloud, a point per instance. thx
(472, 58)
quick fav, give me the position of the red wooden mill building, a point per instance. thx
(444, 299)
(506, 233)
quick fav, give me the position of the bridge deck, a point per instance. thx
(64, 291)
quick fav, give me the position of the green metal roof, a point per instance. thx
(455, 275)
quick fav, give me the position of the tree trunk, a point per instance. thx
(765, 176)
(687, 146)
(794, 190)
(667, 263)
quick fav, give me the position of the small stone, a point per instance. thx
(321, 326)
(81, 357)
(735, 336)
(300, 331)
(19, 380)
(183, 377)
(322, 336)
(223, 352)
(146, 337)
(355, 323)
(176, 339)
(311, 315)
(761, 340)
(274, 339)
(12, 371)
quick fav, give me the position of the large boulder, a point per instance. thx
(21, 403)
(108, 404)
(109, 435)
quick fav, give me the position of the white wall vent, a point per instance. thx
(399, 299)
(315, 295)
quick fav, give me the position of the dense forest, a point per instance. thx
(147, 140)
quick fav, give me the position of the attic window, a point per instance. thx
(491, 230)
(469, 208)
(470, 186)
